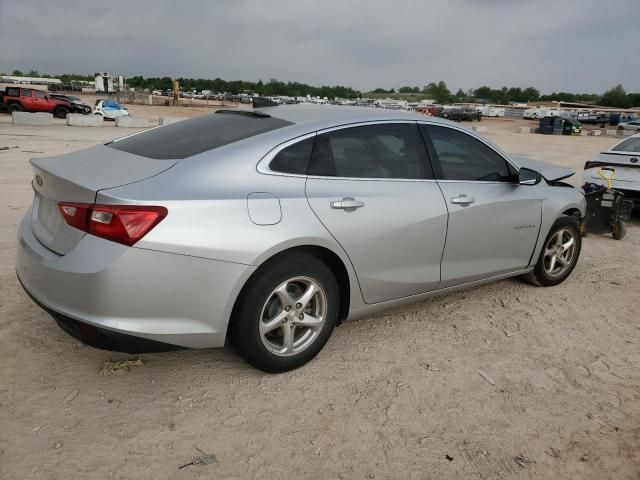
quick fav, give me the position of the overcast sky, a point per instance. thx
(570, 45)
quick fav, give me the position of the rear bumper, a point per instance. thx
(120, 291)
(102, 338)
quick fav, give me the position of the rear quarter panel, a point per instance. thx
(206, 196)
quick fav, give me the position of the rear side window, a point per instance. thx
(13, 92)
(196, 135)
(461, 157)
(372, 151)
(294, 158)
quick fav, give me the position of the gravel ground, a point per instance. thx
(501, 382)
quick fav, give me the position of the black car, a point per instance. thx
(77, 105)
(460, 114)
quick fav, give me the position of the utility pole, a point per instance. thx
(176, 92)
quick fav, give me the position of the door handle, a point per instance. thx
(463, 200)
(347, 203)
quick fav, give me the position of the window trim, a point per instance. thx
(264, 162)
(433, 155)
(264, 165)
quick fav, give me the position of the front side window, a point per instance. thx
(459, 156)
(39, 94)
(371, 151)
(294, 158)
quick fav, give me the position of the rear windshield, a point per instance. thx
(196, 135)
(631, 145)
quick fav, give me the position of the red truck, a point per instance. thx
(18, 99)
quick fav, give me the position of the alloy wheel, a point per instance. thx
(559, 252)
(293, 316)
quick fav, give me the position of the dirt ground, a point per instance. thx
(506, 381)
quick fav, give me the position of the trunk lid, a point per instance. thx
(77, 177)
(626, 165)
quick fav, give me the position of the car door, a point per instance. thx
(373, 189)
(27, 99)
(493, 221)
(41, 101)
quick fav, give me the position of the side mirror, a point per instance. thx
(526, 176)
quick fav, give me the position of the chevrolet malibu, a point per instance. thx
(267, 228)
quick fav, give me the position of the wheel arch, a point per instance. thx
(565, 203)
(573, 212)
(333, 260)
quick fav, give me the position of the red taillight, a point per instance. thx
(75, 214)
(124, 224)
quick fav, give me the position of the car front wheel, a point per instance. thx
(286, 313)
(559, 254)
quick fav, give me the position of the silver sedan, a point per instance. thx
(267, 228)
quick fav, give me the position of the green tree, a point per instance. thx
(616, 97)
(438, 91)
(634, 99)
(531, 94)
(483, 93)
(17, 73)
(460, 93)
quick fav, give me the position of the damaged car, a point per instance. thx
(267, 228)
(618, 168)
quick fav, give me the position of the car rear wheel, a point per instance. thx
(559, 254)
(14, 107)
(286, 313)
(61, 112)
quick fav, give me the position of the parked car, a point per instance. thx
(110, 109)
(559, 126)
(454, 114)
(633, 125)
(624, 160)
(267, 228)
(76, 103)
(17, 99)
(429, 110)
(460, 114)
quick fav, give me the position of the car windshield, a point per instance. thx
(112, 104)
(631, 145)
(196, 135)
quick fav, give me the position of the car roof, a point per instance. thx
(326, 116)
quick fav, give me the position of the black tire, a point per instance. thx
(538, 276)
(61, 112)
(14, 107)
(619, 230)
(244, 335)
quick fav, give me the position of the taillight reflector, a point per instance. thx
(125, 224)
